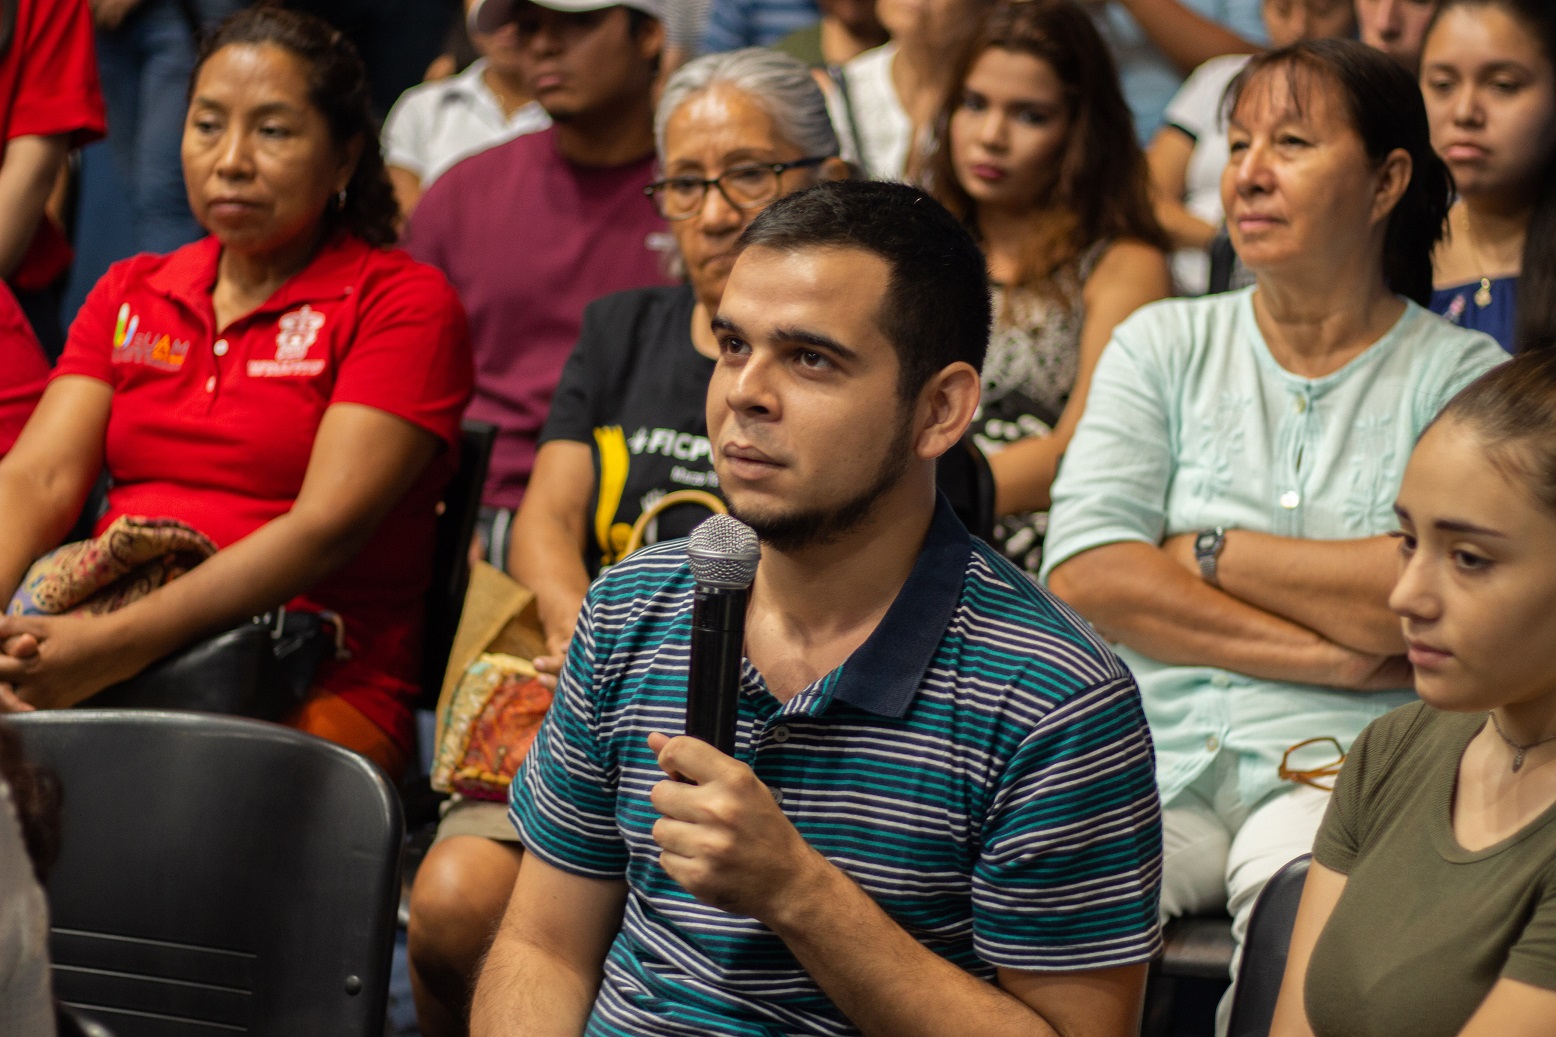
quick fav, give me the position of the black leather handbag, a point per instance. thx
(261, 669)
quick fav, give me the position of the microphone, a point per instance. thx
(723, 553)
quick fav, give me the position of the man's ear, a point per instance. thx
(651, 40)
(946, 406)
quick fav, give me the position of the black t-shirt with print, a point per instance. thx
(634, 389)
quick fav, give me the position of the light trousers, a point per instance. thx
(1218, 853)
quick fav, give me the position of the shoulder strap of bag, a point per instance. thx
(670, 500)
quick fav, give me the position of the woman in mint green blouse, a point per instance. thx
(1430, 908)
(1221, 512)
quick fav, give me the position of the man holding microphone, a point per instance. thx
(940, 814)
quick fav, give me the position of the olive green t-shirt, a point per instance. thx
(1424, 927)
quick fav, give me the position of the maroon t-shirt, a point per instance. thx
(528, 239)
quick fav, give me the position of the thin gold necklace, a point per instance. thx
(1483, 293)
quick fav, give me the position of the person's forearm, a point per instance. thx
(266, 569)
(1134, 594)
(546, 558)
(886, 982)
(525, 992)
(1184, 228)
(1338, 588)
(27, 174)
(1187, 38)
(1024, 474)
(39, 508)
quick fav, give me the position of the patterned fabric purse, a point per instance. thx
(480, 746)
(492, 704)
(489, 723)
(261, 668)
(133, 557)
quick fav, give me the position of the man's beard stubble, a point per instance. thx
(816, 527)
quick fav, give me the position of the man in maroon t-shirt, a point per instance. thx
(530, 231)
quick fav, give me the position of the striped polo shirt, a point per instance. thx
(980, 766)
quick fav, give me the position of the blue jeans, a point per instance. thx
(145, 65)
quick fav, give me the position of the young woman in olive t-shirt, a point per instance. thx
(1430, 907)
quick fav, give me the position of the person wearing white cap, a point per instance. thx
(437, 124)
(532, 230)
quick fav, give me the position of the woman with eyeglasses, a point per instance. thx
(734, 132)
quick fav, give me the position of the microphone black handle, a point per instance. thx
(713, 685)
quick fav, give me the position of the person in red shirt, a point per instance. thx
(24, 370)
(288, 386)
(50, 102)
(533, 230)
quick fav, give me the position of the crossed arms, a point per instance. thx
(1310, 611)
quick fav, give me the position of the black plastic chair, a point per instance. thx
(218, 876)
(1264, 951)
(457, 515)
(964, 476)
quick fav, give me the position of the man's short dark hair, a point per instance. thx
(936, 309)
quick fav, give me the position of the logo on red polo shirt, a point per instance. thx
(299, 331)
(134, 346)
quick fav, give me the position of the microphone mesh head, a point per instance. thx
(724, 552)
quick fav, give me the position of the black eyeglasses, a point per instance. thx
(745, 187)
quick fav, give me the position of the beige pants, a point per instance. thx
(486, 818)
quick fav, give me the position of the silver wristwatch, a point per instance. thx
(1207, 549)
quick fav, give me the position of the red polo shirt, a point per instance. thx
(215, 429)
(24, 370)
(48, 86)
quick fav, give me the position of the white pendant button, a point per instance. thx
(210, 384)
(220, 349)
(1290, 499)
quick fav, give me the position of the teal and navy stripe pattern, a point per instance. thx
(980, 766)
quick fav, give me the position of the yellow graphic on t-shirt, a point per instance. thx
(614, 462)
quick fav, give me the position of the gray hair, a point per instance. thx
(780, 85)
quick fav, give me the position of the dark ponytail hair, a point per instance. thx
(1536, 322)
(1511, 409)
(338, 89)
(1384, 106)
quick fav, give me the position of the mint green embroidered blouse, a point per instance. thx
(1191, 423)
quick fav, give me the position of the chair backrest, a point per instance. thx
(218, 876)
(1264, 951)
(461, 506)
(964, 476)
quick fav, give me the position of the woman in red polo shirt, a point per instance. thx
(288, 386)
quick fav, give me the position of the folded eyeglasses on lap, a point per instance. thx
(1315, 777)
(745, 187)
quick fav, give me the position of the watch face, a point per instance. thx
(1206, 541)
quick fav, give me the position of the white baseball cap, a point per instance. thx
(491, 15)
